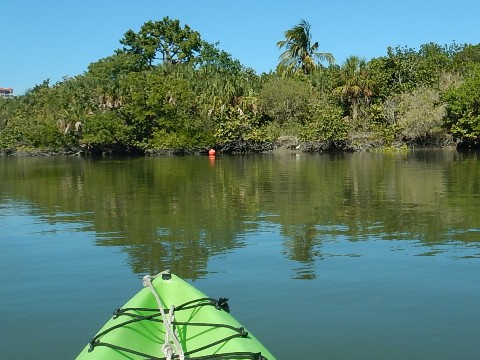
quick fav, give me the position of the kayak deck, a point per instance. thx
(171, 319)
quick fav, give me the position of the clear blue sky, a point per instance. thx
(44, 39)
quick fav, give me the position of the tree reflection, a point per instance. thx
(302, 245)
(179, 212)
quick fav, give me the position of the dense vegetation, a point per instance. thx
(166, 88)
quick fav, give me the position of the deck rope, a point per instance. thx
(169, 348)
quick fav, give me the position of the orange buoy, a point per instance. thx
(211, 152)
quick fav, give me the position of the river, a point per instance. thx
(349, 256)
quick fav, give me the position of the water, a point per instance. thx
(354, 256)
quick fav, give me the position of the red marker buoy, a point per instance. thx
(211, 152)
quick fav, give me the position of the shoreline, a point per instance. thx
(274, 149)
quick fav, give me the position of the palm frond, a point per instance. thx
(300, 54)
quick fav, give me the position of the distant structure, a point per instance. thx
(6, 93)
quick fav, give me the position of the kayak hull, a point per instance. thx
(202, 326)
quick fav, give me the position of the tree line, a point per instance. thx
(166, 89)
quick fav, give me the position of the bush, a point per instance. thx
(420, 114)
(105, 131)
(463, 108)
(285, 99)
(39, 133)
(325, 124)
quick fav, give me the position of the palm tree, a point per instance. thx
(355, 85)
(300, 55)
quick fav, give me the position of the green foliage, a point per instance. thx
(163, 40)
(420, 114)
(45, 134)
(39, 133)
(233, 126)
(325, 79)
(105, 131)
(463, 108)
(325, 124)
(13, 134)
(105, 76)
(465, 56)
(301, 55)
(7, 111)
(73, 99)
(415, 117)
(167, 88)
(114, 66)
(159, 101)
(434, 60)
(162, 139)
(286, 99)
(355, 86)
(404, 69)
(213, 60)
(35, 121)
(169, 140)
(273, 130)
(403, 66)
(384, 133)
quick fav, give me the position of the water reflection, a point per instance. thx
(179, 212)
(302, 245)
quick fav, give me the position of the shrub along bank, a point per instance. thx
(168, 91)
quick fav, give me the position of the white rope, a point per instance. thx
(167, 348)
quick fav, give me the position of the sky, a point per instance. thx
(53, 39)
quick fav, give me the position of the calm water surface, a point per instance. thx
(358, 256)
